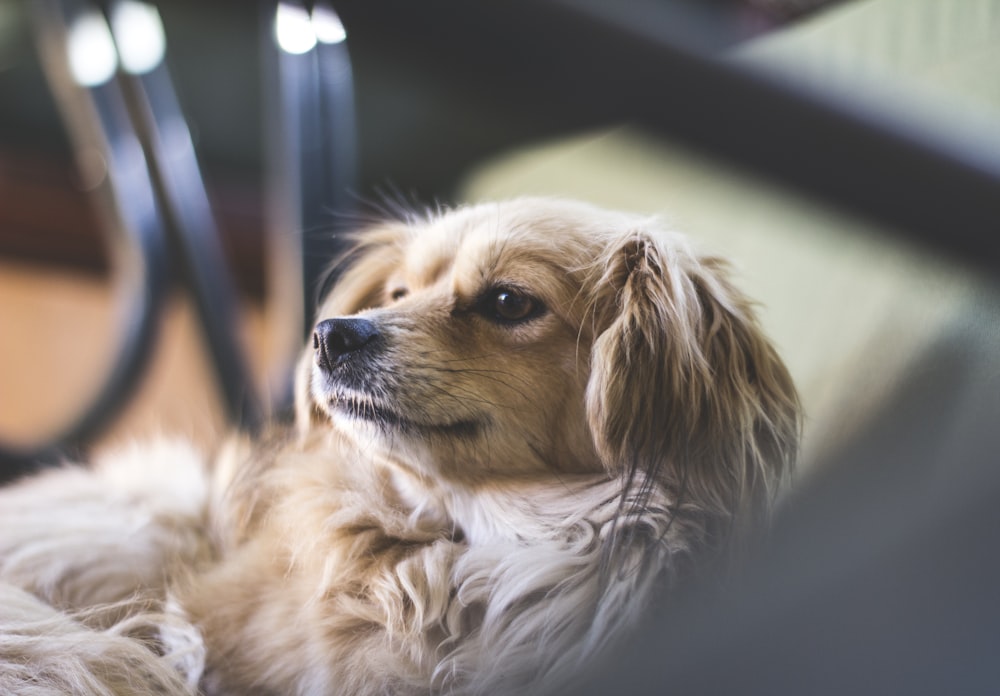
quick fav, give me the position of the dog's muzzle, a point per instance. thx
(336, 339)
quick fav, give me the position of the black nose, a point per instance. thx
(335, 338)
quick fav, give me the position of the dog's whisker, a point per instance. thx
(462, 395)
(469, 358)
(488, 375)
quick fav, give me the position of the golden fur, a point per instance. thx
(555, 412)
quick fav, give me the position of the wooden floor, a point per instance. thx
(57, 334)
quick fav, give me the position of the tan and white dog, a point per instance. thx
(517, 424)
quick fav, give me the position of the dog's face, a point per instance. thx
(537, 337)
(460, 346)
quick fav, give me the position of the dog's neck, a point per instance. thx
(516, 510)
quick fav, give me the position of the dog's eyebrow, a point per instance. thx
(428, 268)
(542, 277)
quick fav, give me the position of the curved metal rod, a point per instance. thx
(154, 181)
(96, 116)
(311, 147)
(328, 151)
(177, 179)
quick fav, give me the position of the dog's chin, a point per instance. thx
(352, 411)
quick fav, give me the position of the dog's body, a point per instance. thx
(516, 425)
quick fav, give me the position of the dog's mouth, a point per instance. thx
(365, 408)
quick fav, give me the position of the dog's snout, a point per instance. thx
(335, 338)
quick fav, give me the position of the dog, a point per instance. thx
(518, 425)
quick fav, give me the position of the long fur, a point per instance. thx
(467, 504)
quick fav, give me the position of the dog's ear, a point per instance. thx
(685, 391)
(376, 253)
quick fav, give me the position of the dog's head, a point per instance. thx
(540, 337)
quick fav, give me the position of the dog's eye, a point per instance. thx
(398, 294)
(510, 305)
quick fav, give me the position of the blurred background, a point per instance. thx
(423, 122)
(844, 153)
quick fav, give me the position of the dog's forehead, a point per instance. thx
(429, 253)
(488, 241)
